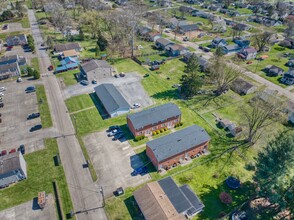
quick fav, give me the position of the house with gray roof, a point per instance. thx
(59, 48)
(164, 199)
(153, 119)
(162, 43)
(9, 70)
(95, 70)
(113, 102)
(171, 150)
(15, 40)
(242, 87)
(12, 59)
(12, 169)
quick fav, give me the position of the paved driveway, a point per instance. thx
(114, 161)
(13, 27)
(20, 51)
(30, 210)
(130, 87)
(14, 129)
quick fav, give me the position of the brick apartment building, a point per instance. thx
(149, 120)
(172, 149)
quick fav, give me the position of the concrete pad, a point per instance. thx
(114, 161)
(30, 210)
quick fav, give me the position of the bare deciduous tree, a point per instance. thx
(262, 39)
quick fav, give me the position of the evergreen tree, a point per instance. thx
(192, 64)
(102, 42)
(190, 84)
(36, 74)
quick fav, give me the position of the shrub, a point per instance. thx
(225, 198)
(165, 129)
(158, 132)
(153, 133)
(138, 138)
(176, 125)
(181, 123)
(161, 130)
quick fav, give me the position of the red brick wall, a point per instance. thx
(155, 127)
(175, 159)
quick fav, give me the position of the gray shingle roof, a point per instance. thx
(9, 163)
(8, 58)
(178, 142)
(164, 41)
(69, 46)
(154, 115)
(8, 67)
(95, 64)
(111, 98)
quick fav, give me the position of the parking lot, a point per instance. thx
(114, 161)
(21, 52)
(14, 27)
(130, 87)
(30, 210)
(14, 129)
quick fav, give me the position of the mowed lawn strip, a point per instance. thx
(41, 174)
(68, 77)
(43, 107)
(35, 63)
(78, 103)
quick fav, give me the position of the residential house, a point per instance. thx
(230, 22)
(234, 14)
(175, 23)
(121, 2)
(143, 31)
(13, 59)
(249, 53)
(200, 14)
(203, 63)
(187, 28)
(241, 27)
(163, 199)
(214, 8)
(268, 96)
(290, 63)
(287, 42)
(224, 123)
(68, 63)
(9, 70)
(218, 42)
(288, 77)
(242, 87)
(186, 9)
(176, 50)
(96, 69)
(172, 149)
(234, 130)
(231, 49)
(223, 11)
(272, 70)
(162, 43)
(165, 3)
(71, 53)
(242, 42)
(290, 111)
(12, 169)
(15, 40)
(114, 103)
(58, 49)
(156, 118)
(153, 36)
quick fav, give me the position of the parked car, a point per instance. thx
(185, 39)
(122, 74)
(1, 94)
(30, 89)
(146, 75)
(33, 115)
(114, 132)
(94, 81)
(136, 105)
(140, 170)
(5, 26)
(19, 79)
(4, 152)
(206, 49)
(119, 191)
(21, 149)
(113, 127)
(84, 82)
(1, 104)
(176, 85)
(167, 31)
(155, 67)
(50, 68)
(12, 151)
(2, 89)
(35, 128)
(42, 44)
(118, 136)
(115, 75)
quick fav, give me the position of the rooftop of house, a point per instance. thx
(241, 84)
(178, 142)
(111, 98)
(177, 47)
(154, 115)
(70, 53)
(95, 64)
(164, 41)
(273, 68)
(250, 50)
(69, 46)
(10, 162)
(8, 58)
(8, 67)
(16, 36)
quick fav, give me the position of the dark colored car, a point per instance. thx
(118, 136)
(140, 170)
(155, 67)
(35, 128)
(119, 191)
(94, 81)
(84, 82)
(22, 149)
(33, 115)
(4, 152)
(113, 128)
(50, 68)
(122, 74)
(12, 151)
(114, 132)
(30, 89)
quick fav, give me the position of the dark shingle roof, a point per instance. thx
(182, 198)
(8, 67)
(178, 142)
(95, 64)
(69, 46)
(154, 115)
(8, 58)
(110, 97)
(189, 27)
(163, 41)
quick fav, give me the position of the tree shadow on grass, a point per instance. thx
(167, 95)
(133, 208)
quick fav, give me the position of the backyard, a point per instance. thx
(40, 178)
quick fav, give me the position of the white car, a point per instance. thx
(136, 105)
(1, 94)
(2, 89)
(19, 79)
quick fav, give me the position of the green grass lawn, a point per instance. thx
(80, 102)
(128, 65)
(43, 106)
(35, 63)
(68, 77)
(41, 174)
(25, 23)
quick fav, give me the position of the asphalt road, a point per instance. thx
(86, 196)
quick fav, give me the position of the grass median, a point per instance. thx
(43, 107)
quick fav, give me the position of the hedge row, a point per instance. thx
(138, 138)
(159, 131)
(178, 124)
